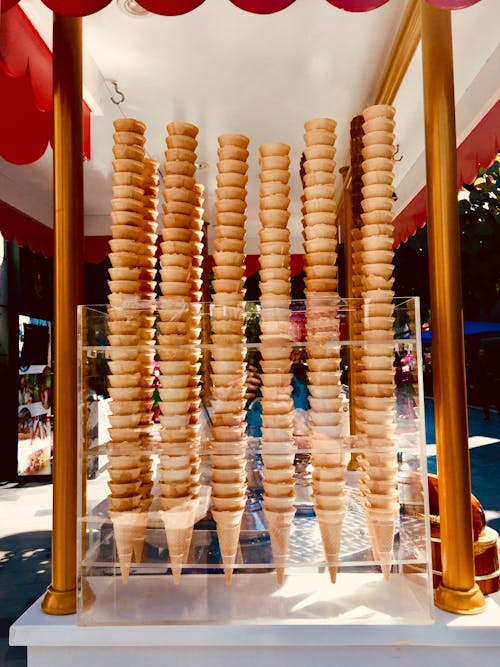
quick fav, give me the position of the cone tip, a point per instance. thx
(176, 574)
(124, 571)
(138, 549)
(333, 574)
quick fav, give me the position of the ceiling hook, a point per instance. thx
(396, 152)
(121, 97)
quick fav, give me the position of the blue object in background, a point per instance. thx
(300, 397)
(470, 329)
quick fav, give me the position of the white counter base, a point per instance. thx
(56, 641)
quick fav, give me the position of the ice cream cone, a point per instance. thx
(279, 525)
(140, 532)
(382, 533)
(273, 460)
(124, 528)
(378, 111)
(178, 522)
(229, 503)
(228, 532)
(124, 504)
(124, 474)
(330, 525)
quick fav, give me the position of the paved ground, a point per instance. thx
(26, 518)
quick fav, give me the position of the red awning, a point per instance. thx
(26, 81)
(28, 232)
(177, 7)
(25, 231)
(480, 148)
(252, 264)
(26, 116)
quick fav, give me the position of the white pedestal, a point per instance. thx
(450, 641)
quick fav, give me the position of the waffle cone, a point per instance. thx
(381, 527)
(178, 522)
(330, 525)
(140, 532)
(228, 532)
(124, 528)
(279, 525)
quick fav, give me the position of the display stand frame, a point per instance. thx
(307, 595)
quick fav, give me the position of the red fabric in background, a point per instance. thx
(356, 5)
(76, 7)
(176, 7)
(25, 231)
(480, 148)
(170, 7)
(252, 263)
(27, 120)
(95, 248)
(26, 108)
(263, 6)
(26, 130)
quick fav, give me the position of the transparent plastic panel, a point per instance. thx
(275, 475)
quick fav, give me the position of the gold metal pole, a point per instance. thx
(68, 283)
(347, 231)
(458, 592)
(401, 54)
(398, 61)
(347, 243)
(347, 224)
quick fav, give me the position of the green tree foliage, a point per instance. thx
(479, 212)
(479, 220)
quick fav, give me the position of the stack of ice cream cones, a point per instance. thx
(131, 331)
(376, 400)
(228, 368)
(196, 280)
(276, 348)
(146, 350)
(356, 314)
(178, 345)
(320, 234)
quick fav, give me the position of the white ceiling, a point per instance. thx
(227, 70)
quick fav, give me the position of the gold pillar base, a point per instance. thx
(460, 602)
(59, 603)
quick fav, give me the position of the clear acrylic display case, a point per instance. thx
(368, 589)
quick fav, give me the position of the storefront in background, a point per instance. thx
(35, 442)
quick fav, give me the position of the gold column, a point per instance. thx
(68, 273)
(400, 57)
(458, 592)
(398, 60)
(347, 224)
(346, 229)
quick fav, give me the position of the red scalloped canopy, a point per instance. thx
(176, 7)
(480, 148)
(26, 83)
(26, 114)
